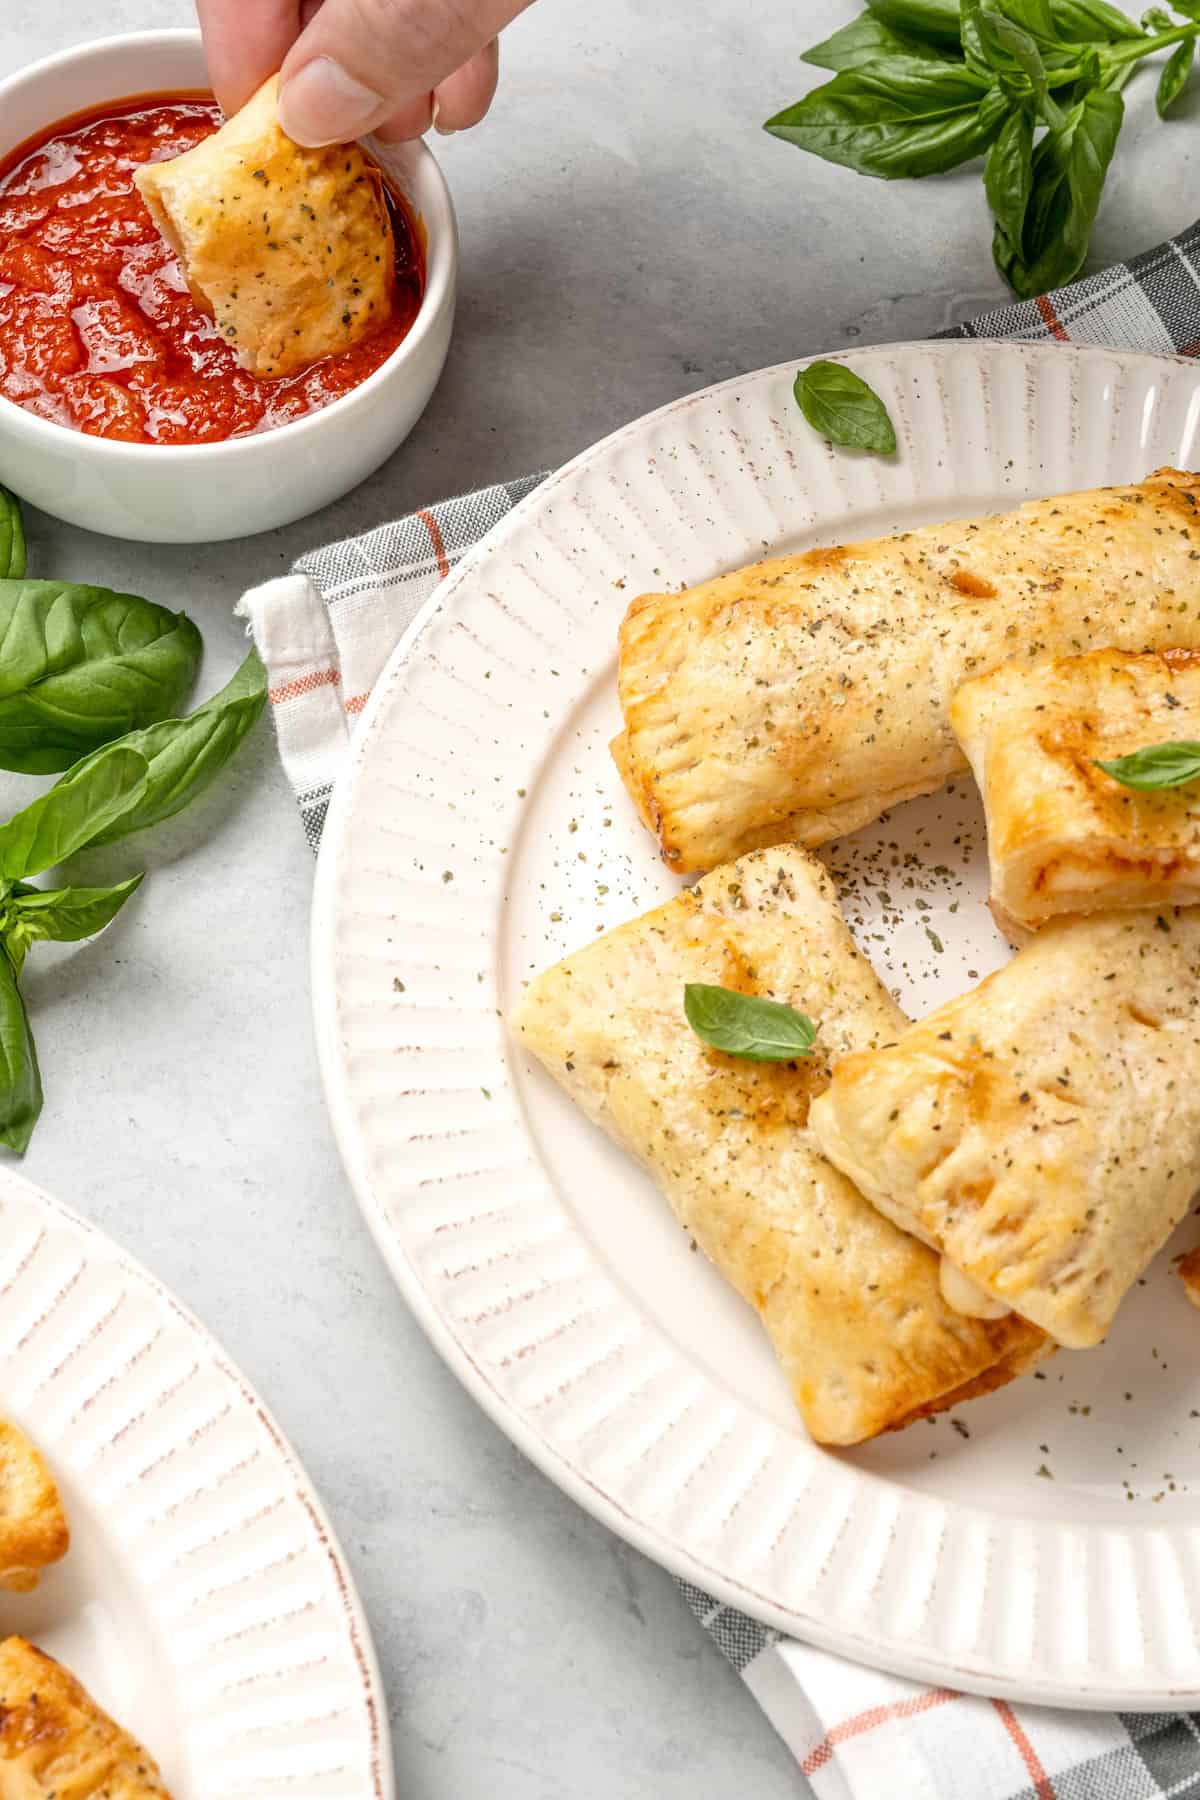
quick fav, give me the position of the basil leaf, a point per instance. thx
(933, 21)
(12, 537)
(73, 812)
(904, 117)
(80, 666)
(746, 1025)
(1069, 167)
(20, 1077)
(1175, 74)
(1157, 766)
(61, 915)
(839, 404)
(185, 755)
(1091, 22)
(866, 40)
(1155, 19)
(1008, 182)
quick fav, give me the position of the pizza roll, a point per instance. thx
(1042, 1131)
(33, 1525)
(56, 1744)
(289, 250)
(1064, 836)
(852, 1306)
(798, 699)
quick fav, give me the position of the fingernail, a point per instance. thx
(323, 104)
(442, 130)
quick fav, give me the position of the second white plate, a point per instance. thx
(204, 1601)
(1043, 1544)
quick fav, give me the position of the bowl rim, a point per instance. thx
(441, 265)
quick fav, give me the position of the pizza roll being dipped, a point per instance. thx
(1042, 1131)
(56, 1744)
(852, 1306)
(797, 699)
(33, 1525)
(1065, 836)
(290, 250)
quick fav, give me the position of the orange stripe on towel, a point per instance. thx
(306, 684)
(1043, 1787)
(1051, 320)
(438, 541)
(867, 1721)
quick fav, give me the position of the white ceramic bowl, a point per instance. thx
(187, 494)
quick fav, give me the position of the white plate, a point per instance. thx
(481, 831)
(204, 1600)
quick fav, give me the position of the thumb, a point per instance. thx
(361, 61)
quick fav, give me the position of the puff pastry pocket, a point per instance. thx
(798, 699)
(1042, 1131)
(56, 1744)
(33, 1525)
(290, 250)
(852, 1305)
(1063, 836)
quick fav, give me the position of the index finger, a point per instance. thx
(244, 42)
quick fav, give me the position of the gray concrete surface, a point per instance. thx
(628, 234)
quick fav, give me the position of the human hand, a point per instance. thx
(352, 66)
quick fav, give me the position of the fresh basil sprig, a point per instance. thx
(1157, 766)
(746, 1025)
(81, 665)
(12, 537)
(923, 86)
(124, 787)
(85, 670)
(843, 408)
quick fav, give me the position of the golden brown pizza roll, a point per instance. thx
(798, 699)
(33, 1525)
(56, 1744)
(290, 250)
(1042, 1131)
(1064, 836)
(852, 1306)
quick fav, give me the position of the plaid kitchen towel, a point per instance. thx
(325, 632)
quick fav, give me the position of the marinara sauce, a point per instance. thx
(98, 330)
